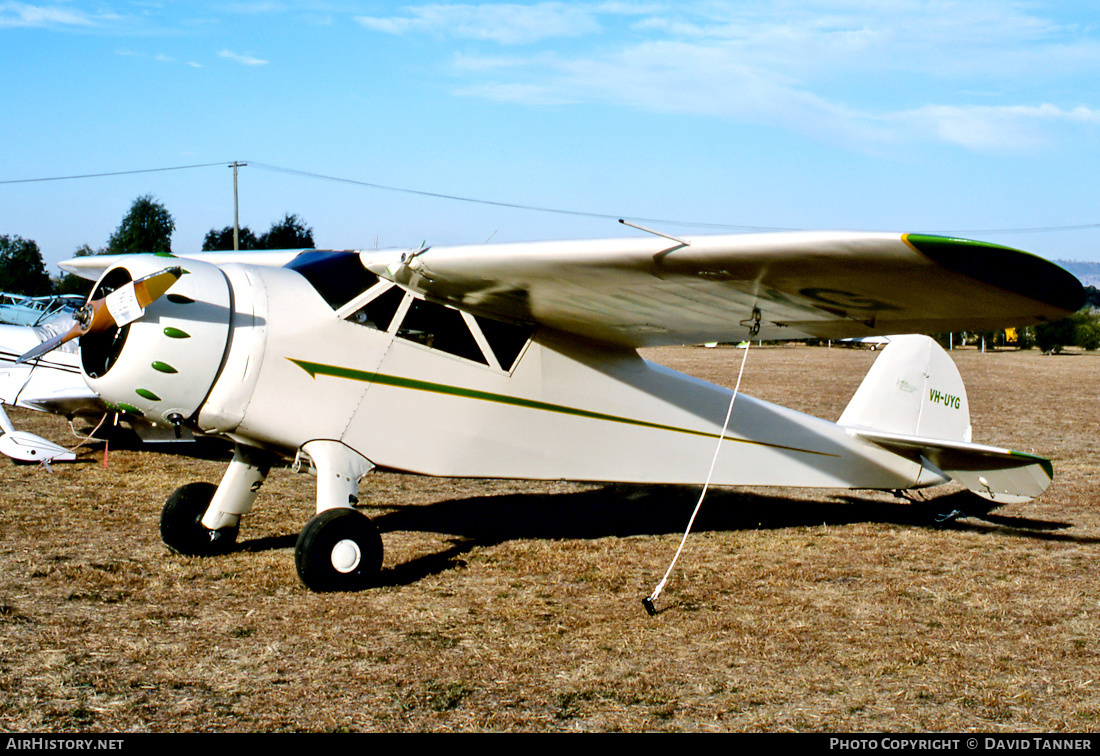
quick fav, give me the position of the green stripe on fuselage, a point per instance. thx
(315, 369)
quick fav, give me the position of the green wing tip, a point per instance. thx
(1003, 267)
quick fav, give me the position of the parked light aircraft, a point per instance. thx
(20, 309)
(52, 383)
(520, 361)
(871, 342)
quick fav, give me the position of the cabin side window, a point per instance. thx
(505, 339)
(379, 311)
(486, 341)
(439, 327)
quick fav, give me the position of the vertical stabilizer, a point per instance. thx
(912, 402)
(913, 389)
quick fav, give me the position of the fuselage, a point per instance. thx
(417, 386)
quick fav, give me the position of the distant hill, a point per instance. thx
(1087, 273)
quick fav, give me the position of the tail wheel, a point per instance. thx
(181, 526)
(339, 550)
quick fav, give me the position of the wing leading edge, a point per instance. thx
(650, 291)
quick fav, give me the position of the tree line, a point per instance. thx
(1081, 329)
(146, 227)
(289, 233)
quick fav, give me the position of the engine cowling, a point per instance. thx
(161, 366)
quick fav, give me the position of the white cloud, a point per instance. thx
(160, 58)
(26, 15)
(506, 24)
(390, 25)
(856, 72)
(987, 128)
(246, 60)
(675, 77)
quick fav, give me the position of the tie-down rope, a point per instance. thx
(648, 601)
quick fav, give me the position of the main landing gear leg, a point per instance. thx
(238, 489)
(200, 519)
(339, 549)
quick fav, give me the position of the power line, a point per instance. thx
(603, 216)
(518, 206)
(510, 205)
(606, 216)
(1034, 230)
(113, 173)
(383, 187)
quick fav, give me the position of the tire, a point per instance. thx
(181, 526)
(339, 550)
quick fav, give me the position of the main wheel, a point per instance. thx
(181, 526)
(339, 550)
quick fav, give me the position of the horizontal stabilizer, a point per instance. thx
(27, 447)
(912, 403)
(1000, 475)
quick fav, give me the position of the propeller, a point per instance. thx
(121, 307)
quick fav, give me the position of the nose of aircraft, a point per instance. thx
(158, 349)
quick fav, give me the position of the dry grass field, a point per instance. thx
(510, 606)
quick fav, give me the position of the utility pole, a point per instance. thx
(236, 220)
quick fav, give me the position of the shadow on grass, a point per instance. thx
(623, 511)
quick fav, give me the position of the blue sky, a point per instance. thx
(974, 118)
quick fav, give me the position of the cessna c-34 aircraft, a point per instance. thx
(520, 361)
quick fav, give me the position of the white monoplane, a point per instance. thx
(520, 361)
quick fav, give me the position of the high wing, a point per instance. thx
(652, 291)
(91, 267)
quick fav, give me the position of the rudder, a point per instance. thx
(912, 402)
(912, 389)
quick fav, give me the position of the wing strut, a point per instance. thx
(647, 602)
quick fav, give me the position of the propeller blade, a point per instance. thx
(151, 287)
(128, 303)
(119, 308)
(50, 344)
